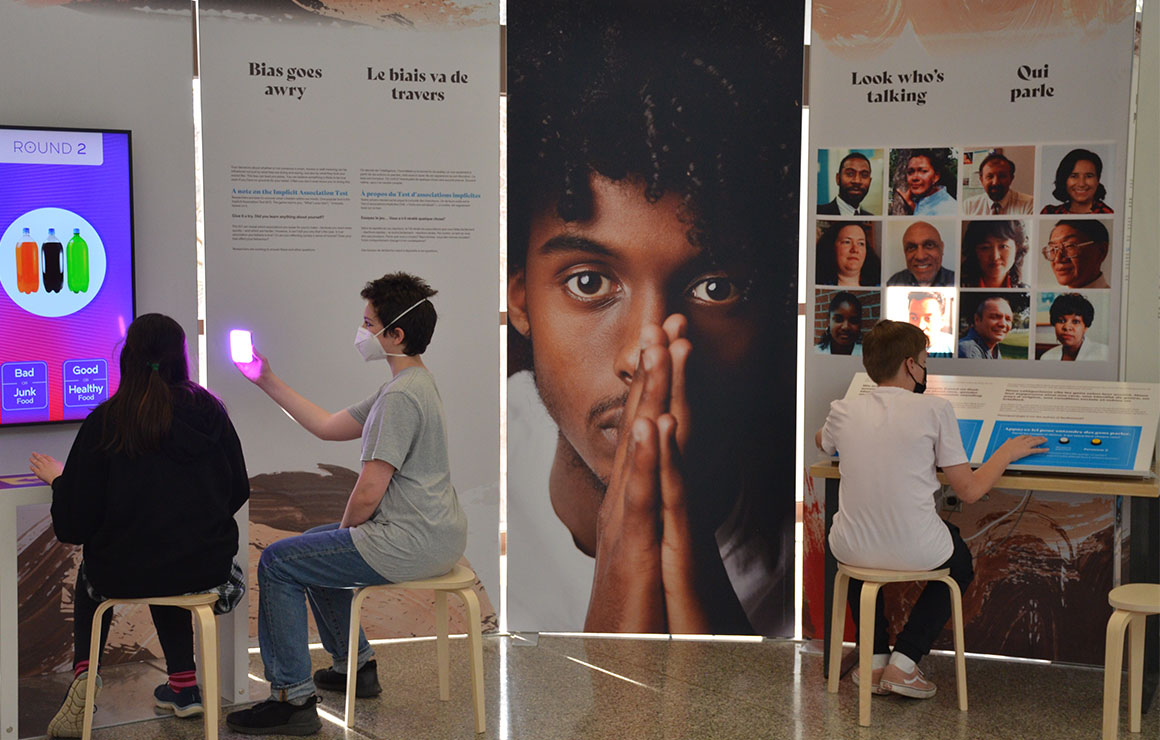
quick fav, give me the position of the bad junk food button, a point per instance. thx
(1064, 440)
(1096, 441)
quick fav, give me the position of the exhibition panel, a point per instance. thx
(969, 176)
(339, 146)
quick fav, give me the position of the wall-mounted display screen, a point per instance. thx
(66, 267)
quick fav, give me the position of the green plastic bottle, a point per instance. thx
(77, 259)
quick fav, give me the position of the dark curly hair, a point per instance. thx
(394, 293)
(827, 265)
(839, 298)
(1075, 304)
(942, 161)
(698, 99)
(1067, 164)
(976, 232)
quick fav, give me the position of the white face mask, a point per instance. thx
(369, 346)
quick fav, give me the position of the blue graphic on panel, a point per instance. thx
(1097, 446)
(969, 430)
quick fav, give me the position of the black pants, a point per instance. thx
(930, 612)
(174, 629)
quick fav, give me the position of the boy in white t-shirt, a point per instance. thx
(890, 442)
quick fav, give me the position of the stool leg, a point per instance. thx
(94, 661)
(1135, 670)
(837, 627)
(211, 694)
(475, 641)
(866, 650)
(441, 640)
(1113, 660)
(352, 653)
(960, 643)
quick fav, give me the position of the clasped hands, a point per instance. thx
(656, 570)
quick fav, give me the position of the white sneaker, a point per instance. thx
(69, 720)
(913, 684)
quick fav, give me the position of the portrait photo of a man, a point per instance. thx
(995, 176)
(852, 187)
(994, 326)
(923, 247)
(652, 316)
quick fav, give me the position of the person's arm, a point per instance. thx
(79, 490)
(339, 426)
(239, 491)
(368, 492)
(971, 485)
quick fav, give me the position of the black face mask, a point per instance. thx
(919, 387)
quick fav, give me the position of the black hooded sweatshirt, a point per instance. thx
(159, 524)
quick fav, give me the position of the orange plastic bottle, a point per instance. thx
(27, 264)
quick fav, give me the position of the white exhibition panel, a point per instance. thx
(333, 154)
(971, 81)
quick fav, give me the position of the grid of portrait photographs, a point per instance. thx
(999, 253)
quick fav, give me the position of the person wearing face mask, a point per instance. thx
(403, 520)
(889, 443)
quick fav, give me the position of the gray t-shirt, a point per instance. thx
(419, 529)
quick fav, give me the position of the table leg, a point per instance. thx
(831, 571)
(1144, 567)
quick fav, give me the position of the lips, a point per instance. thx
(923, 266)
(607, 424)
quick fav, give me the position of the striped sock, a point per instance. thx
(80, 668)
(182, 680)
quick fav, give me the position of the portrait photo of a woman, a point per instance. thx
(993, 254)
(848, 254)
(1077, 184)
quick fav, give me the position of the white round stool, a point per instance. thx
(1133, 603)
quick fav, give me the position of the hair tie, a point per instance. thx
(154, 365)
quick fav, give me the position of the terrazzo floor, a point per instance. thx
(548, 687)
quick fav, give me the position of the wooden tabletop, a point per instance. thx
(1102, 485)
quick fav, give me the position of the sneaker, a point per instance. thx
(913, 684)
(273, 717)
(366, 681)
(875, 680)
(184, 703)
(70, 718)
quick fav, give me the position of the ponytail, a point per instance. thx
(154, 368)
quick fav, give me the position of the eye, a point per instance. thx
(717, 290)
(589, 285)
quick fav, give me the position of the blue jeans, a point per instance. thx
(320, 565)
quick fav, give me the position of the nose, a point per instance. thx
(643, 308)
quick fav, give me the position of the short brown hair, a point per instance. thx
(888, 345)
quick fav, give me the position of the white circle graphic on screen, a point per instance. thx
(41, 301)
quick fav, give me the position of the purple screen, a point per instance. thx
(67, 296)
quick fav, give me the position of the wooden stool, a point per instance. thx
(872, 579)
(202, 607)
(458, 581)
(1133, 603)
